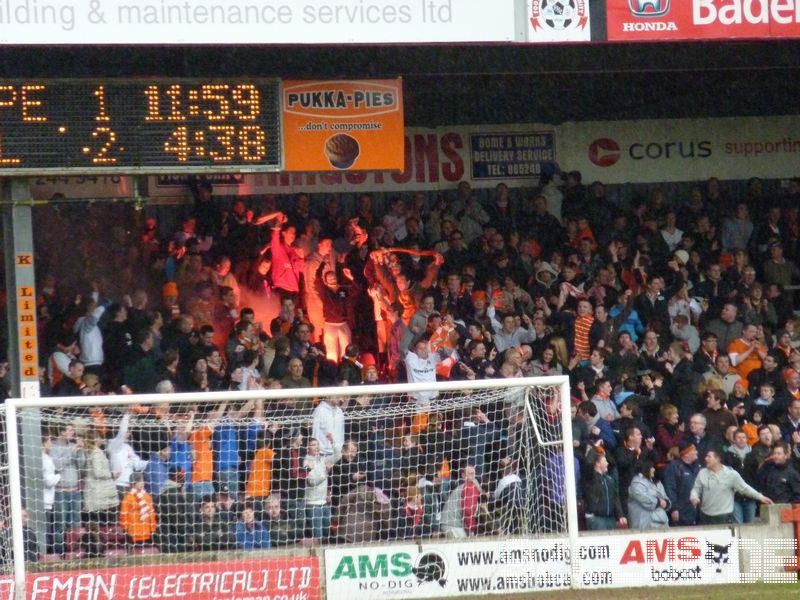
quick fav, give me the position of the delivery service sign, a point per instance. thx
(343, 125)
(654, 20)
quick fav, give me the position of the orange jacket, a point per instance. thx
(137, 516)
(259, 480)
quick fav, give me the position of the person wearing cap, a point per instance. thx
(714, 488)
(783, 348)
(706, 355)
(678, 478)
(778, 269)
(601, 496)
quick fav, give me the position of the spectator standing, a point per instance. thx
(777, 478)
(175, 519)
(744, 509)
(69, 460)
(460, 511)
(601, 496)
(328, 417)
(137, 515)
(648, 502)
(317, 467)
(678, 479)
(718, 417)
(714, 489)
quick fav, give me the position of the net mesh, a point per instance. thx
(103, 484)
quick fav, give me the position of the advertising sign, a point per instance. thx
(517, 566)
(558, 21)
(655, 20)
(681, 149)
(294, 578)
(511, 155)
(29, 22)
(343, 125)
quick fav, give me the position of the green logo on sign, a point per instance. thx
(380, 565)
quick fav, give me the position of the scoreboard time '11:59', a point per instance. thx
(139, 126)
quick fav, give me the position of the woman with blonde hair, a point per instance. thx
(669, 433)
(100, 496)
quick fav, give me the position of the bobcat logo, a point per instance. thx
(718, 554)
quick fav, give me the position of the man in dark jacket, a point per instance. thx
(212, 533)
(678, 479)
(175, 518)
(777, 478)
(337, 309)
(601, 496)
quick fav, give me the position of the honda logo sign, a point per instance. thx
(648, 8)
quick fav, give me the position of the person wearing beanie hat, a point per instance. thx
(678, 478)
(170, 309)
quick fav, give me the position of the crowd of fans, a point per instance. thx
(673, 318)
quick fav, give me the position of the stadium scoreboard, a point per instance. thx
(139, 126)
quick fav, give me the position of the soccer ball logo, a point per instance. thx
(559, 14)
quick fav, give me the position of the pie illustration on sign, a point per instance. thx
(342, 150)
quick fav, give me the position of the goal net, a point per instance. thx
(136, 482)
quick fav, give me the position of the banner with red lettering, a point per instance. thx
(656, 20)
(289, 578)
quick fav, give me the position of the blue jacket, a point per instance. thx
(180, 455)
(155, 473)
(678, 479)
(252, 538)
(225, 442)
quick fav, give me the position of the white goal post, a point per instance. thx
(535, 414)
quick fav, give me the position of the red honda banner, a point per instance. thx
(655, 20)
(289, 578)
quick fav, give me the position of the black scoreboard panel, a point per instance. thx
(139, 126)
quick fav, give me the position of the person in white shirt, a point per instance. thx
(90, 337)
(50, 478)
(328, 418)
(421, 368)
(124, 460)
(317, 468)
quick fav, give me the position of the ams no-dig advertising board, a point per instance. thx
(506, 567)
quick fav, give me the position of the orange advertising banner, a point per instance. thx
(343, 125)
